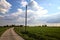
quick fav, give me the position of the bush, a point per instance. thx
(44, 25)
(21, 25)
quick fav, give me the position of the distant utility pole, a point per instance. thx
(26, 19)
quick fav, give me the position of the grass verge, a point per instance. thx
(2, 30)
(39, 33)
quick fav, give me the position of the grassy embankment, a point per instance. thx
(39, 33)
(2, 30)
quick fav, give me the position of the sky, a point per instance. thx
(39, 12)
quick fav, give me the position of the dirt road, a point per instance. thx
(10, 35)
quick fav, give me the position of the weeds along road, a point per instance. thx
(10, 35)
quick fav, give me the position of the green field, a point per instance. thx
(39, 33)
(2, 29)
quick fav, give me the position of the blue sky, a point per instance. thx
(39, 12)
(47, 4)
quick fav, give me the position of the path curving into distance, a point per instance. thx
(10, 34)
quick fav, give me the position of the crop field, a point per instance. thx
(2, 29)
(39, 33)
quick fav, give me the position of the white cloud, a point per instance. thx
(38, 10)
(24, 3)
(21, 19)
(19, 11)
(33, 5)
(34, 14)
(1, 16)
(52, 18)
(32, 0)
(58, 8)
(41, 12)
(4, 6)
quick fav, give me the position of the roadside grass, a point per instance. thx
(39, 33)
(2, 30)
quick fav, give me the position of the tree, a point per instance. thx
(12, 25)
(44, 25)
(21, 25)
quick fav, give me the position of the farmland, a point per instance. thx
(39, 33)
(2, 29)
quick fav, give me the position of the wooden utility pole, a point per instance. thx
(26, 19)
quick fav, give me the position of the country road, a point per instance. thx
(10, 35)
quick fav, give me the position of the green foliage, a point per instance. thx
(2, 29)
(44, 25)
(21, 25)
(39, 33)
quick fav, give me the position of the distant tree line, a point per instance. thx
(13, 26)
(21, 26)
(43, 26)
